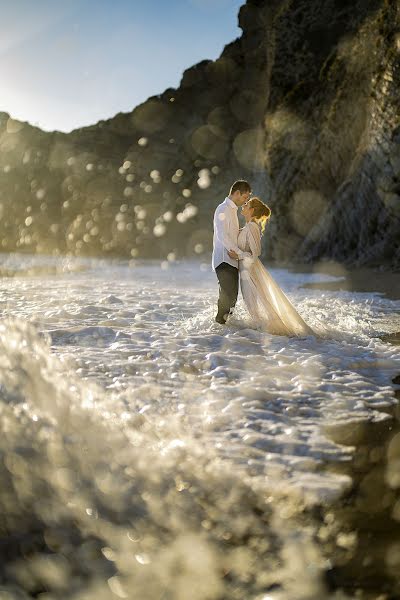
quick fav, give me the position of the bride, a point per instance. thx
(264, 299)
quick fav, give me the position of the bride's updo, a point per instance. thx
(261, 213)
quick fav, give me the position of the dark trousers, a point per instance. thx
(228, 279)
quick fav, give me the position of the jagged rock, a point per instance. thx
(305, 104)
(391, 202)
(395, 161)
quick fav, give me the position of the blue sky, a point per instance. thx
(70, 64)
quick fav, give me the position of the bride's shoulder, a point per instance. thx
(253, 226)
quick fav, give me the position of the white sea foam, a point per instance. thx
(126, 375)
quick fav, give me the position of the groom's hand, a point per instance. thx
(233, 254)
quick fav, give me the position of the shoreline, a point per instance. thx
(363, 279)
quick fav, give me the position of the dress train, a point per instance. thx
(264, 299)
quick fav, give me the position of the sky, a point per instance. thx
(69, 64)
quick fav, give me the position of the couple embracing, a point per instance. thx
(236, 252)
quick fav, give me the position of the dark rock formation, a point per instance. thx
(305, 104)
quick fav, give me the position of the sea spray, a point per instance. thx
(96, 500)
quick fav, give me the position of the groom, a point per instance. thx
(226, 231)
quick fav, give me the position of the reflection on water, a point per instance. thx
(150, 453)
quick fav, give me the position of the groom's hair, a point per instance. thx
(241, 185)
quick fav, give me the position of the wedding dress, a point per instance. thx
(264, 299)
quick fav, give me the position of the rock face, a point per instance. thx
(305, 104)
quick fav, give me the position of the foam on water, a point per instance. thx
(166, 452)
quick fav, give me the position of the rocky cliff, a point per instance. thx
(305, 104)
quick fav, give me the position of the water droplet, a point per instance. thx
(143, 559)
(159, 230)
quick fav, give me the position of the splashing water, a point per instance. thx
(150, 453)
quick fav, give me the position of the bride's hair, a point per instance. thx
(262, 212)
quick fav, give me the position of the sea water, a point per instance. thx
(149, 452)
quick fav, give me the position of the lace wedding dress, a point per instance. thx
(264, 299)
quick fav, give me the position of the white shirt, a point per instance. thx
(226, 231)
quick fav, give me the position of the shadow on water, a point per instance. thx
(360, 533)
(362, 279)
